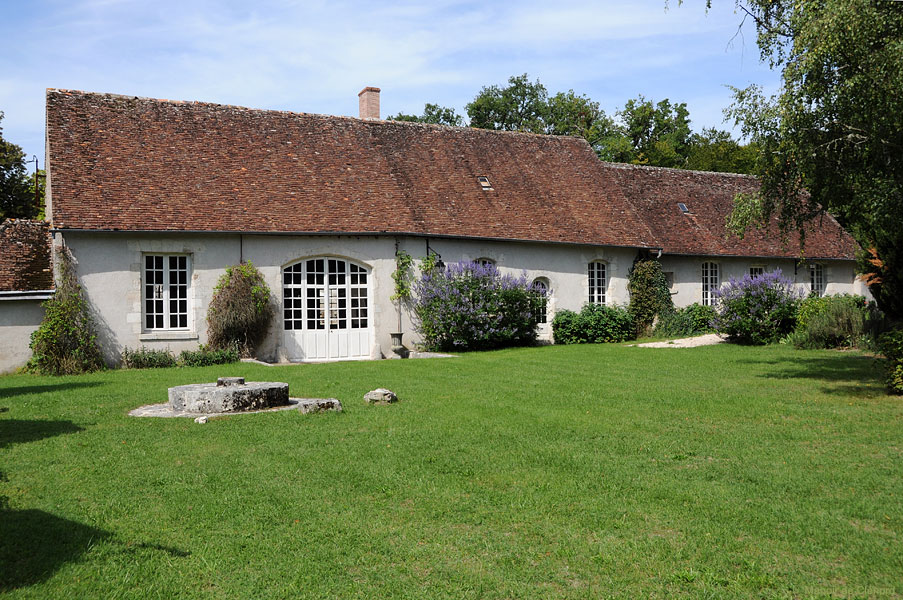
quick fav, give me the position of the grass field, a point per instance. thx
(554, 472)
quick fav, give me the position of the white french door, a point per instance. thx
(326, 309)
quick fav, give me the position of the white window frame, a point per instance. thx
(485, 261)
(817, 279)
(542, 316)
(759, 268)
(595, 271)
(306, 285)
(711, 281)
(165, 292)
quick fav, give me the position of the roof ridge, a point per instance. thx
(370, 122)
(617, 165)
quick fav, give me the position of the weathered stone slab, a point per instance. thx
(215, 398)
(224, 381)
(380, 396)
(311, 405)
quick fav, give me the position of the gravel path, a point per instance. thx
(702, 340)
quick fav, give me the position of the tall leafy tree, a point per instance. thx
(521, 106)
(16, 195)
(570, 114)
(644, 132)
(658, 134)
(435, 114)
(526, 106)
(716, 150)
(832, 137)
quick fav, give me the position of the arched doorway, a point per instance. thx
(326, 309)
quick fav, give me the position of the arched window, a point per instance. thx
(597, 282)
(326, 304)
(485, 262)
(541, 288)
(710, 282)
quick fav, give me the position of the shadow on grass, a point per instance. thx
(23, 390)
(841, 368)
(19, 431)
(35, 544)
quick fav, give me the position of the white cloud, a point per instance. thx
(315, 55)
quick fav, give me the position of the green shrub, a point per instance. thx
(147, 358)
(837, 322)
(240, 311)
(594, 324)
(65, 342)
(205, 356)
(649, 294)
(814, 305)
(695, 319)
(891, 344)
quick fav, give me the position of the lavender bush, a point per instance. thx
(757, 310)
(468, 306)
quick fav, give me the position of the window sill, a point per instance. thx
(151, 336)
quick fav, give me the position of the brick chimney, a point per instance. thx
(368, 99)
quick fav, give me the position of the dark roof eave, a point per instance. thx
(26, 294)
(350, 233)
(763, 257)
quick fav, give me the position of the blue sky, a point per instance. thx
(315, 56)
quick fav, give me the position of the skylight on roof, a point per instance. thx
(484, 183)
(683, 207)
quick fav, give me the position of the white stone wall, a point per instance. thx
(109, 266)
(18, 319)
(840, 276)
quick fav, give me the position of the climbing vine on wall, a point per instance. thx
(403, 276)
(65, 342)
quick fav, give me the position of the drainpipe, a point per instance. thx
(398, 301)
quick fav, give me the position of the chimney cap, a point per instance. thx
(369, 88)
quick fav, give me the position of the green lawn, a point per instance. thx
(554, 472)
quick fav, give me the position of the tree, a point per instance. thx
(716, 150)
(832, 137)
(433, 113)
(16, 196)
(646, 133)
(570, 114)
(525, 106)
(522, 106)
(658, 134)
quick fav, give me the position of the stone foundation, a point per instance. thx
(228, 395)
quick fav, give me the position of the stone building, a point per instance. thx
(156, 198)
(26, 280)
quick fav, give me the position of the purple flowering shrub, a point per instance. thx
(468, 306)
(757, 310)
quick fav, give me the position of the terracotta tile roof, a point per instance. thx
(25, 256)
(655, 192)
(129, 163)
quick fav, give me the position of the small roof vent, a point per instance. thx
(484, 183)
(683, 207)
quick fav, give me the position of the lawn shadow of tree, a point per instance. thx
(846, 373)
(19, 431)
(24, 390)
(34, 544)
